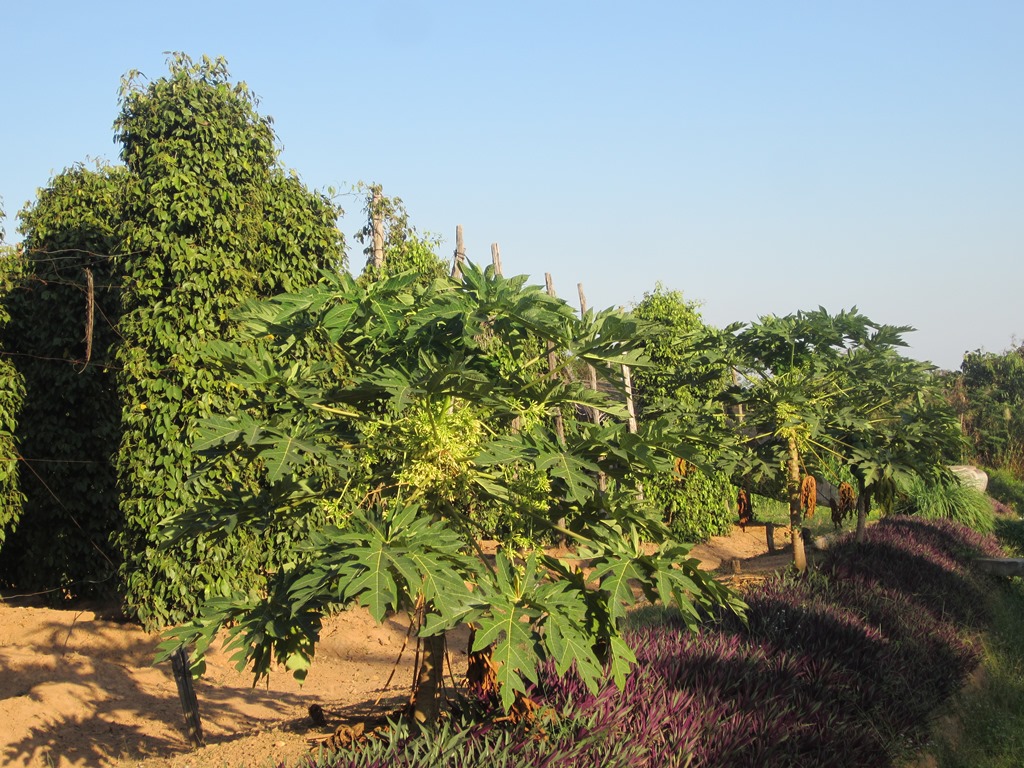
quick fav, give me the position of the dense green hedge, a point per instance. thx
(12, 392)
(699, 504)
(132, 272)
(63, 318)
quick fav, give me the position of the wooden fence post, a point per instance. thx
(377, 217)
(496, 258)
(630, 408)
(187, 695)
(460, 254)
(595, 415)
(553, 365)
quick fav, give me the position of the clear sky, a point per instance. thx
(760, 157)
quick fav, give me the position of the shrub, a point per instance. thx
(696, 506)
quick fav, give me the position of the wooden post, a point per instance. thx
(460, 254)
(553, 365)
(552, 368)
(377, 217)
(496, 258)
(630, 408)
(595, 414)
(187, 696)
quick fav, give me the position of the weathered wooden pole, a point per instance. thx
(630, 408)
(496, 258)
(595, 414)
(377, 217)
(187, 696)
(553, 365)
(460, 254)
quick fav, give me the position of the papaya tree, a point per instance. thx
(411, 423)
(892, 424)
(795, 377)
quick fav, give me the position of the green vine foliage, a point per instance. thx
(12, 393)
(60, 334)
(697, 504)
(210, 221)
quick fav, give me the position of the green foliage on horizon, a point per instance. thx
(988, 394)
(405, 249)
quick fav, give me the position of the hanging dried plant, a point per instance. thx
(680, 469)
(808, 495)
(845, 506)
(745, 510)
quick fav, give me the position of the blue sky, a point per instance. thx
(759, 157)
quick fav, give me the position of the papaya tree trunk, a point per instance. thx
(795, 518)
(863, 504)
(426, 698)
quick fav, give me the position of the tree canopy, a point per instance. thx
(422, 411)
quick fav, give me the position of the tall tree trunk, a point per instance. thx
(795, 518)
(426, 701)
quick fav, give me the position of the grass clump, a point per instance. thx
(946, 500)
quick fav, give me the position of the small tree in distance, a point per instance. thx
(797, 375)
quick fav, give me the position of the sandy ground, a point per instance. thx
(80, 690)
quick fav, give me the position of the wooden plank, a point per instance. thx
(1001, 566)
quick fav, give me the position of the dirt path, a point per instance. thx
(79, 690)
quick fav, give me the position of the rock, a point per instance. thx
(971, 476)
